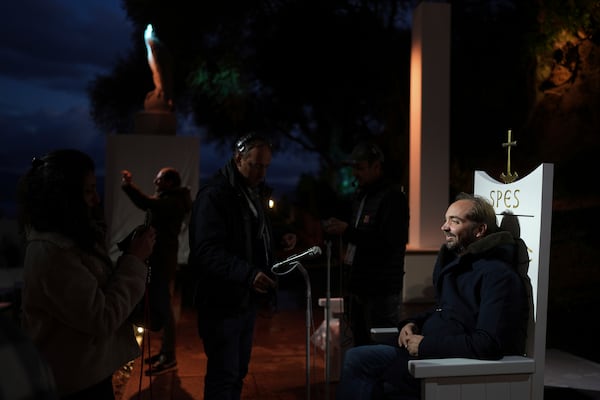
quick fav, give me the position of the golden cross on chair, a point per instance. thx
(509, 177)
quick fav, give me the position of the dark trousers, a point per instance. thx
(373, 311)
(377, 372)
(168, 315)
(100, 391)
(161, 314)
(227, 345)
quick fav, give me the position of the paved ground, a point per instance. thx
(277, 370)
(278, 366)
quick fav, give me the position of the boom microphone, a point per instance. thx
(313, 251)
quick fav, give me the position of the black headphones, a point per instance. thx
(241, 145)
(242, 142)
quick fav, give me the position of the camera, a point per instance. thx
(123, 245)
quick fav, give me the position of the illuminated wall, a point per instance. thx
(429, 124)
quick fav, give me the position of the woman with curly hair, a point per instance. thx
(75, 301)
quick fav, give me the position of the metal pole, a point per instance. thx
(328, 321)
(308, 319)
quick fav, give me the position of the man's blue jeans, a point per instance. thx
(227, 345)
(377, 372)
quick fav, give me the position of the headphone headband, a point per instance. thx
(241, 145)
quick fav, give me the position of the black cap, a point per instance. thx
(365, 152)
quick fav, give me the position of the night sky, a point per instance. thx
(49, 53)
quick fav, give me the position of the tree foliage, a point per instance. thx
(324, 73)
(318, 73)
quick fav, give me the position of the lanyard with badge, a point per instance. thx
(351, 249)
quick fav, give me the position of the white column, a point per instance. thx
(429, 124)
(429, 146)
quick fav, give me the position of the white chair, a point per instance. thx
(516, 377)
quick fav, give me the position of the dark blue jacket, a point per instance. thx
(482, 306)
(226, 251)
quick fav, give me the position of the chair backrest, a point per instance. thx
(525, 208)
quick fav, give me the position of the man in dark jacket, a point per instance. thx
(165, 211)
(376, 240)
(231, 254)
(481, 309)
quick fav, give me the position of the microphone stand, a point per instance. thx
(308, 320)
(293, 265)
(328, 321)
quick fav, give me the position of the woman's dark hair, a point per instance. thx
(50, 196)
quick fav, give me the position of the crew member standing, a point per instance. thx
(231, 245)
(375, 239)
(166, 210)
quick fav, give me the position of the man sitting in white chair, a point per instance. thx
(481, 309)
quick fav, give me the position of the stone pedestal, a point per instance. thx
(155, 123)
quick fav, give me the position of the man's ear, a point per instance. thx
(237, 158)
(481, 230)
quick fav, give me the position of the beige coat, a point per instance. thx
(75, 307)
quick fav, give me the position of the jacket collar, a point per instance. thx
(236, 180)
(491, 242)
(372, 187)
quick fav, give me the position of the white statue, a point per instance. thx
(159, 59)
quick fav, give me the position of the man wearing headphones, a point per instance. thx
(375, 239)
(231, 254)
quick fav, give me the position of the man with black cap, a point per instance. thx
(375, 238)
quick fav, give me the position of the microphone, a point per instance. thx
(313, 251)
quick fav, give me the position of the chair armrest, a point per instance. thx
(470, 367)
(387, 336)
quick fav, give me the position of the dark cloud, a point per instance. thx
(26, 135)
(61, 40)
(49, 53)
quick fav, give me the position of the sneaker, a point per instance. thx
(151, 360)
(162, 366)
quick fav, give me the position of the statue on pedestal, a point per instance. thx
(160, 61)
(158, 117)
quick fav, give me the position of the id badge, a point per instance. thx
(350, 250)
